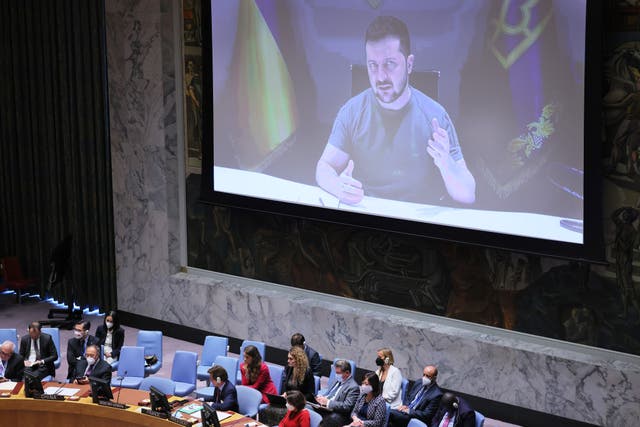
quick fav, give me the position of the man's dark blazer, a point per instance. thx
(101, 370)
(315, 363)
(465, 416)
(14, 370)
(75, 352)
(424, 410)
(118, 339)
(225, 399)
(48, 352)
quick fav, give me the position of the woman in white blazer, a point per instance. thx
(390, 378)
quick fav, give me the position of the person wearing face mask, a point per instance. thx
(225, 396)
(297, 415)
(92, 366)
(421, 402)
(390, 378)
(77, 345)
(454, 412)
(370, 409)
(340, 398)
(111, 335)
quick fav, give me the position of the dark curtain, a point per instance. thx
(55, 166)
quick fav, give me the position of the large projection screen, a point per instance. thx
(467, 120)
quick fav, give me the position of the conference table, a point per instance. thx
(16, 409)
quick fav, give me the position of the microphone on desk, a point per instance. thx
(121, 378)
(59, 388)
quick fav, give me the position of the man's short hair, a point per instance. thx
(95, 347)
(343, 365)
(35, 325)
(218, 371)
(86, 325)
(389, 26)
(297, 339)
(9, 344)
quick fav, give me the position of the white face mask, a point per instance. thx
(366, 389)
(91, 360)
(426, 381)
(290, 407)
(77, 334)
(109, 325)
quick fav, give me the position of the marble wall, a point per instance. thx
(577, 382)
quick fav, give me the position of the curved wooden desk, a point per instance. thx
(25, 412)
(52, 413)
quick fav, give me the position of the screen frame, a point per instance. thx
(100, 385)
(591, 250)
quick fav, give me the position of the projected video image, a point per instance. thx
(451, 112)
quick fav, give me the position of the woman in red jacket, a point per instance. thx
(297, 415)
(255, 374)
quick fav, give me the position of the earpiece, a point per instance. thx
(386, 360)
(218, 380)
(455, 405)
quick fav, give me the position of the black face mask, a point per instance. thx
(379, 361)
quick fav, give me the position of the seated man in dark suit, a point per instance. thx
(315, 362)
(38, 351)
(77, 345)
(92, 366)
(11, 363)
(225, 396)
(341, 398)
(454, 412)
(421, 402)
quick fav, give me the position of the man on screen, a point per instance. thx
(386, 140)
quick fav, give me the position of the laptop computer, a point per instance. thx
(277, 400)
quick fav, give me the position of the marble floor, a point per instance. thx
(17, 316)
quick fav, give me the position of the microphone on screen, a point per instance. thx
(121, 378)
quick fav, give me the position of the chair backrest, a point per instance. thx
(479, 419)
(131, 361)
(276, 371)
(213, 347)
(404, 388)
(152, 343)
(425, 81)
(316, 379)
(332, 374)
(10, 334)
(165, 385)
(185, 367)
(258, 344)
(230, 364)
(414, 422)
(12, 269)
(315, 419)
(249, 400)
(55, 336)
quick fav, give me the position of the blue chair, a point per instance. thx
(183, 372)
(165, 385)
(404, 388)
(249, 400)
(332, 375)
(152, 343)
(276, 372)
(230, 364)
(213, 347)
(315, 419)
(479, 419)
(10, 334)
(55, 335)
(414, 422)
(131, 368)
(316, 379)
(387, 414)
(261, 349)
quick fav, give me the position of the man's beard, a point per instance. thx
(394, 95)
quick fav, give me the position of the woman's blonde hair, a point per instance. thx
(301, 363)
